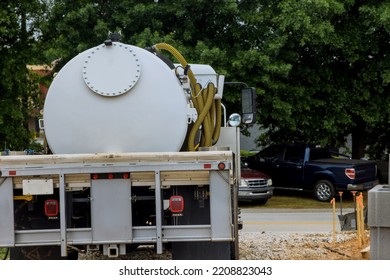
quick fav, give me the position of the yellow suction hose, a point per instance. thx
(179, 57)
(209, 110)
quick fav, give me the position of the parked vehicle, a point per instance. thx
(308, 167)
(255, 186)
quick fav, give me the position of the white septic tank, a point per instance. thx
(115, 98)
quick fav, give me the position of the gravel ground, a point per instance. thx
(300, 246)
(276, 246)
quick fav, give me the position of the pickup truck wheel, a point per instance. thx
(324, 190)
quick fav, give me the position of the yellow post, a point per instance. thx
(358, 221)
(333, 202)
(361, 208)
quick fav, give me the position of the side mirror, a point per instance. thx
(248, 101)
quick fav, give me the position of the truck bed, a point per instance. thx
(153, 172)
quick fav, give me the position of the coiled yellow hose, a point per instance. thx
(209, 110)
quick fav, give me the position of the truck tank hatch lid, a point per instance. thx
(101, 63)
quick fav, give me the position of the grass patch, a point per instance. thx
(245, 153)
(301, 200)
(3, 252)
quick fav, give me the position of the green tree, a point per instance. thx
(17, 87)
(377, 21)
(321, 67)
(197, 28)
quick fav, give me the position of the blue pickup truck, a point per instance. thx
(313, 168)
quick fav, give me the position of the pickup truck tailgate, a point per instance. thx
(364, 170)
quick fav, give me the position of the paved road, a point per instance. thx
(290, 220)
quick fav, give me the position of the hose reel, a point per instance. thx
(208, 107)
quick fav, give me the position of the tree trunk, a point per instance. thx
(359, 139)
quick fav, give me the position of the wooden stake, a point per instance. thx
(333, 202)
(360, 219)
(361, 206)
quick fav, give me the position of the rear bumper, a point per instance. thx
(362, 186)
(253, 194)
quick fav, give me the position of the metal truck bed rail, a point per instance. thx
(110, 158)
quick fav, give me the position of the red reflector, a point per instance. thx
(207, 165)
(350, 172)
(51, 207)
(95, 176)
(221, 166)
(176, 204)
(12, 173)
(125, 176)
(110, 176)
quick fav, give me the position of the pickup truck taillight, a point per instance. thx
(350, 173)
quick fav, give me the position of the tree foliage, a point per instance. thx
(17, 87)
(321, 68)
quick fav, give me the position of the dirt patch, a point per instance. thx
(348, 250)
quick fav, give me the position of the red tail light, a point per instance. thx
(350, 173)
(51, 207)
(109, 176)
(176, 204)
(221, 166)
